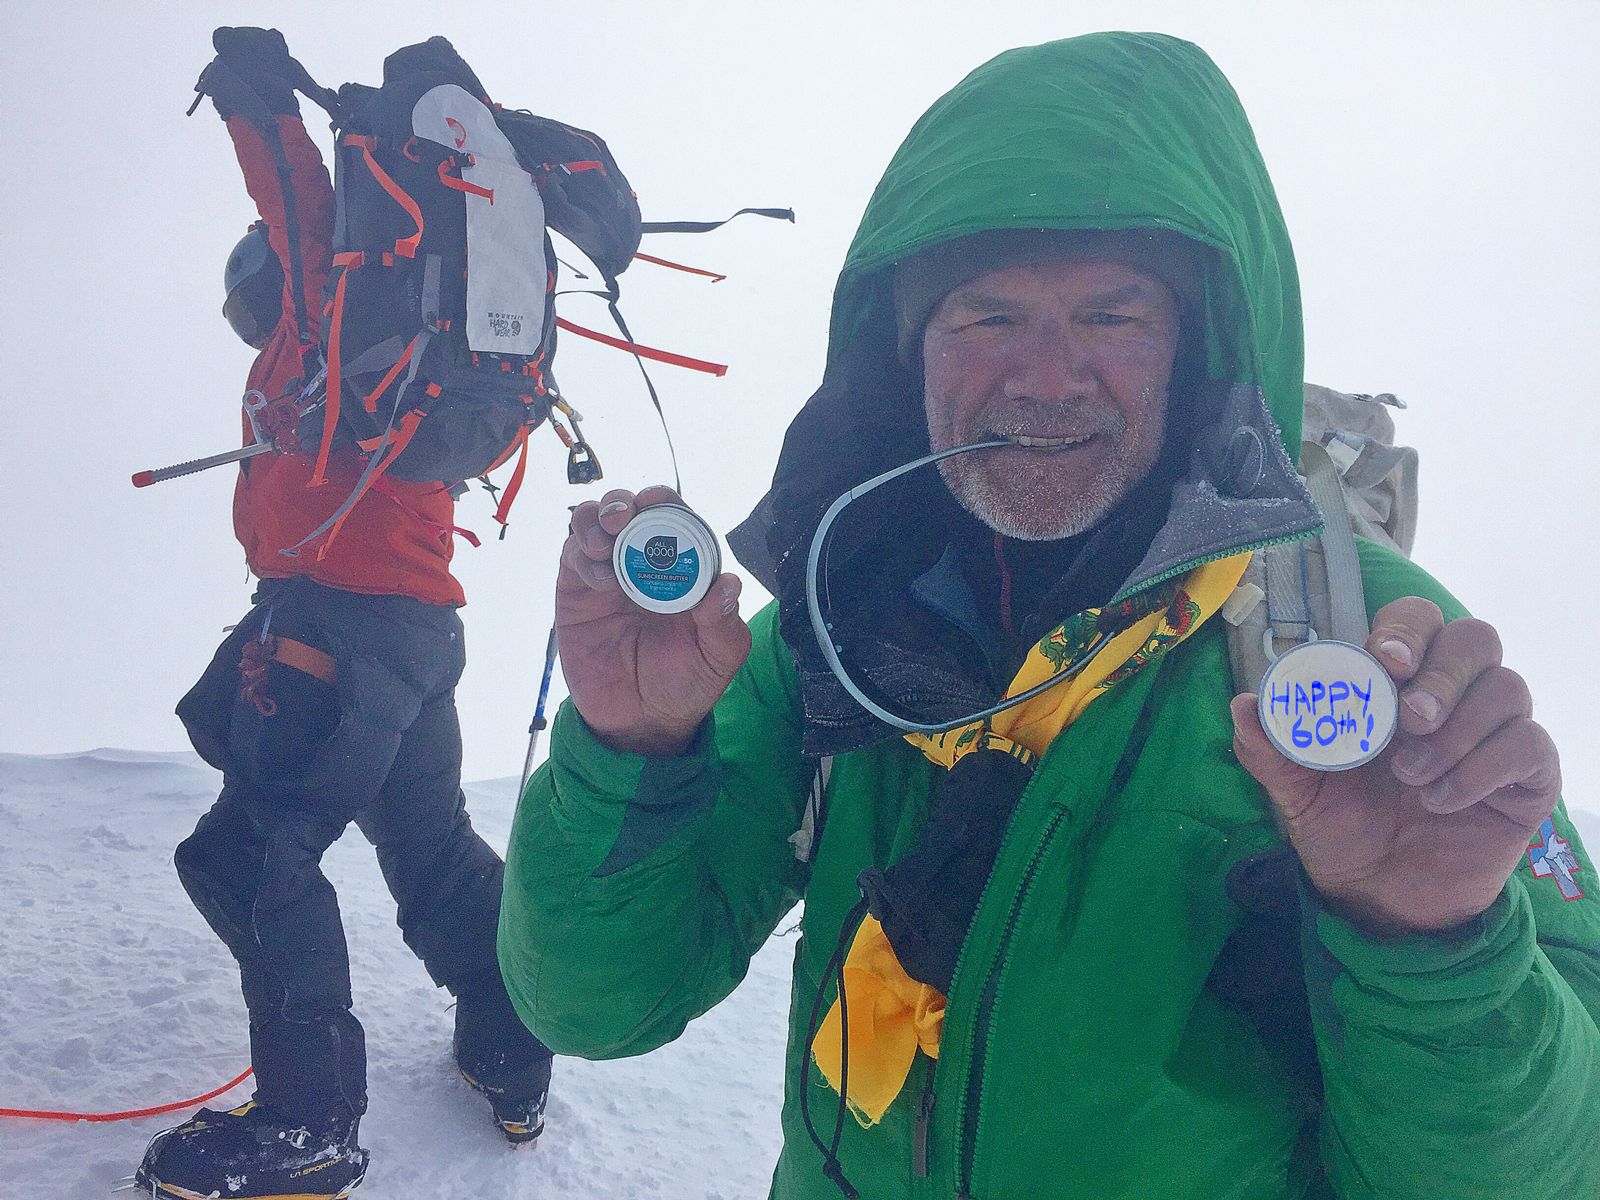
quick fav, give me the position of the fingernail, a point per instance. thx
(615, 506)
(1413, 760)
(1424, 704)
(1397, 650)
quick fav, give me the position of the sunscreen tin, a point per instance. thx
(666, 559)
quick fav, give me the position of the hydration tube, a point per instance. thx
(824, 631)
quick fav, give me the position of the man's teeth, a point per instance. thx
(1046, 443)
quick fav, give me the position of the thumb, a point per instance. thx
(1292, 787)
(724, 638)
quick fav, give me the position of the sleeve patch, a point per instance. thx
(1550, 856)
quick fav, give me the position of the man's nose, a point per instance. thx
(1049, 363)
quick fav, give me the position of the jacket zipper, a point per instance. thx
(969, 1114)
(919, 1136)
(1185, 568)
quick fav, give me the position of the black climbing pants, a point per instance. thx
(302, 758)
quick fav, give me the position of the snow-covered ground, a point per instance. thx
(116, 996)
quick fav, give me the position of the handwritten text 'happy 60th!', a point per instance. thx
(1325, 711)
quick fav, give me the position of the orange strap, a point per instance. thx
(461, 185)
(301, 657)
(370, 400)
(443, 532)
(664, 262)
(330, 410)
(561, 431)
(514, 484)
(663, 356)
(397, 440)
(515, 443)
(405, 247)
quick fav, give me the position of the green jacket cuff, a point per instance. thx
(1422, 983)
(645, 799)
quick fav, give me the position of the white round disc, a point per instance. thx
(1328, 705)
(666, 558)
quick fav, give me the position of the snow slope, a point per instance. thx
(116, 996)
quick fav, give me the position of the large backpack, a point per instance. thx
(439, 324)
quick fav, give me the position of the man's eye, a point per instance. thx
(996, 319)
(1107, 319)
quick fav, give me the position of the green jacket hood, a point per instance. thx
(1106, 131)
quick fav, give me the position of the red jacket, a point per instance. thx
(395, 541)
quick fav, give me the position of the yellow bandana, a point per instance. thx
(893, 1015)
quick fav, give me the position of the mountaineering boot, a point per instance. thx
(250, 1153)
(518, 1108)
(502, 1061)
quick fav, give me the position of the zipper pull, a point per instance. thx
(919, 1136)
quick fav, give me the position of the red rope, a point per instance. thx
(38, 1115)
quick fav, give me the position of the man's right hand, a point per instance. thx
(643, 681)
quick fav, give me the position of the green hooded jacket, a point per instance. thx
(1093, 1045)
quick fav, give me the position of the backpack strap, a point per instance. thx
(806, 839)
(1296, 591)
(714, 276)
(1347, 602)
(777, 214)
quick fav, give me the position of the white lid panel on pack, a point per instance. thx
(506, 279)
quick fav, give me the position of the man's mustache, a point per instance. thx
(1016, 419)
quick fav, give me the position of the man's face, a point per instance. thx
(1071, 362)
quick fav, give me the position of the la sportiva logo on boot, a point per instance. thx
(661, 552)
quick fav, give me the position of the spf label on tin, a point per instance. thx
(1328, 705)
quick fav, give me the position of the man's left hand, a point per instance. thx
(1423, 837)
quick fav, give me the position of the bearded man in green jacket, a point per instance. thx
(1106, 942)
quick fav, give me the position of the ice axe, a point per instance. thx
(162, 474)
(254, 403)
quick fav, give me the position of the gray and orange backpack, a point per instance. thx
(434, 360)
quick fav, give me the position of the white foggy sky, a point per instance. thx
(1437, 164)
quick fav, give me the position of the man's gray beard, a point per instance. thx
(1020, 513)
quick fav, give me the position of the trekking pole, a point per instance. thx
(539, 722)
